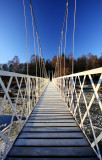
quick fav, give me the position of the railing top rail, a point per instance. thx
(92, 71)
(6, 73)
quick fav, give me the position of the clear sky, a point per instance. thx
(49, 15)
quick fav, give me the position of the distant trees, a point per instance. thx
(32, 65)
(100, 60)
(5, 67)
(48, 65)
(92, 62)
(81, 63)
(54, 60)
(85, 62)
(13, 65)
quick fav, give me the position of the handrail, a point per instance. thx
(6, 73)
(19, 94)
(83, 96)
(92, 71)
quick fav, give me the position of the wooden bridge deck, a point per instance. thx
(51, 133)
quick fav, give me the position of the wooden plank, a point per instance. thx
(51, 100)
(55, 104)
(44, 110)
(58, 107)
(50, 115)
(51, 105)
(81, 158)
(51, 92)
(51, 121)
(54, 116)
(52, 151)
(50, 118)
(51, 129)
(51, 112)
(51, 135)
(51, 96)
(50, 124)
(51, 109)
(51, 142)
(59, 102)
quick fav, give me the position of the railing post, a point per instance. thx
(28, 95)
(42, 84)
(36, 89)
(60, 86)
(72, 94)
(39, 86)
(66, 91)
(64, 87)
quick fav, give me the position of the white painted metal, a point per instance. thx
(34, 87)
(68, 91)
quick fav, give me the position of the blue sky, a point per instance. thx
(49, 15)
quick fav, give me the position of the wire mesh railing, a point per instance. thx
(83, 94)
(19, 94)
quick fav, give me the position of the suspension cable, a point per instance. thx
(34, 42)
(65, 35)
(65, 21)
(35, 26)
(40, 62)
(59, 60)
(73, 39)
(61, 51)
(38, 41)
(26, 35)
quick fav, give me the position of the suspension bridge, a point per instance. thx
(58, 119)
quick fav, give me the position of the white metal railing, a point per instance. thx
(83, 94)
(18, 96)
